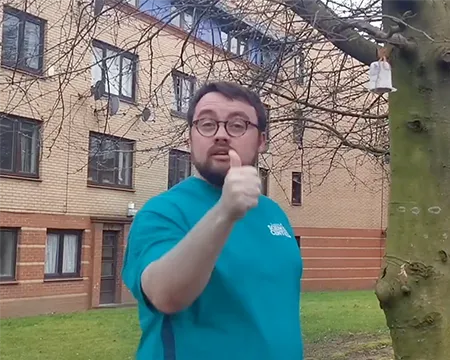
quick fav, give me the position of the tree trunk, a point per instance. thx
(414, 286)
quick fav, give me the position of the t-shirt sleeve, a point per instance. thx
(152, 234)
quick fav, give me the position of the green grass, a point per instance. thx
(331, 314)
(113, 334)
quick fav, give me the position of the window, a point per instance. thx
(184, 86)
(133, 2)
(267, 107)
(63, 254)
(264, 175)
(298, 131)
(179, 166)
(224, 39)
(237, 45)
(299, 69)
(116, 68)
(110, 161)
(268, 56)
(296, 188)
(298, 239)
(8, 253)
(183, 19)
(19, 146)
(267, 131)
(22, 40)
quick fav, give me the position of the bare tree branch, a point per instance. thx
(328, 23)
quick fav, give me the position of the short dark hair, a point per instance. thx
(231, 91)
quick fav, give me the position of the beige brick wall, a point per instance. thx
(68, 115)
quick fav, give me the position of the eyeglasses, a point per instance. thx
(234, 128)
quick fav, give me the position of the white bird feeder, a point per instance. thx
(380, 77)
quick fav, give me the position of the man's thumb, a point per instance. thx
(235, 160)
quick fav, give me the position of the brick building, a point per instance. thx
(73, 169)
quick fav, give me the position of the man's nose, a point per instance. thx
(221, 133)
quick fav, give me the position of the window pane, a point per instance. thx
(177, 93)
(184, 167)
(124, 164)
(28, 139)
(70, 254)
(6, 144)
(188, 21)
(242, 47)
(51, 254)
(107, 252)
(224, 39)
(127, 77)
(10, 39)
(31, 45)
(96, 70)
(186, 93)
(179, 167)
(107, 268)
(107, 161)
(234, 45)
(94, 153)
(112, 73)
(7, 253)
(296, 188)
(177, 19)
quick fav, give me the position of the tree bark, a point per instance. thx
(414, 287)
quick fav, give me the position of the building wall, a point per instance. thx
(30, 293)
(340, 258)
(339, 225)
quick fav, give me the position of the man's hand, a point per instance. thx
(241, 188)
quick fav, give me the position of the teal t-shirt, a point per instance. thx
(250, 308)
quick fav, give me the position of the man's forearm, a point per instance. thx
(175, 280)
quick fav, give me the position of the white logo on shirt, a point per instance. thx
(278, 230)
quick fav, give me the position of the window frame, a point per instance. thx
(15, 233)
(267, 134)
(114, 185)
(296, 187)
(268, 55)
(134, 3)
(176, 101)
(17, 121)
(177, 154)
(134, 58)
(23, 18)
(179, 20)
(61, 234)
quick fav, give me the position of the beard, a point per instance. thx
(213, 174)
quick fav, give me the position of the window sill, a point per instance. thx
(131, 102)
(38, 75)
(111, 188)
(63, 279)
(296, 204)
(18, 177)
(9, 282)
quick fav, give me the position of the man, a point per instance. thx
(213, 264)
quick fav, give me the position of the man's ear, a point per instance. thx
(262, 142)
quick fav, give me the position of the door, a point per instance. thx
(108, 276)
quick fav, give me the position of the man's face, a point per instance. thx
(210, 153)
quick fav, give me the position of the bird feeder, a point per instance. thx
(380, 77)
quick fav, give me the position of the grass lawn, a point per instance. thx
(113, 334)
